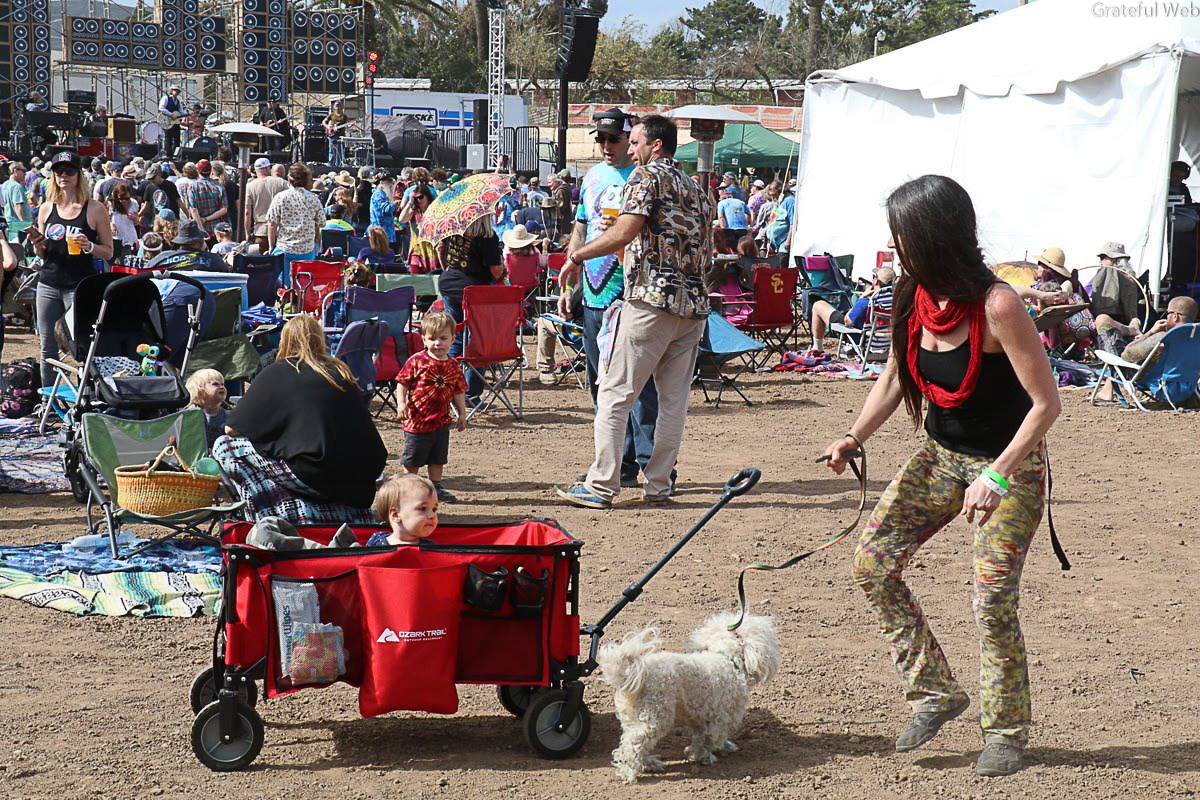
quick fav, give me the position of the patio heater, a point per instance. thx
(708, 126)
(244, 136)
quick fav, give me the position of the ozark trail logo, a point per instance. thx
(390, 636)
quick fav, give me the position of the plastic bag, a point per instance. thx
(295, 603)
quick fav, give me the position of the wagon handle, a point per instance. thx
(740, 483)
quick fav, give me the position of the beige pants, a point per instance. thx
(649, 342)
(546, 345)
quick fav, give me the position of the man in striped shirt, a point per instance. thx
(824, 314)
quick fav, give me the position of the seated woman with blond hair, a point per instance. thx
(301, 444)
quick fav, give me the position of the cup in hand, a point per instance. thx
(75, 243)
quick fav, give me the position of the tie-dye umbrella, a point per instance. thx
(457, 207)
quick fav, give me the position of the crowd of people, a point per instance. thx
(639, 236)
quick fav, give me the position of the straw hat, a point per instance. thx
(1054, 259)
(517, 237)
(344, 178)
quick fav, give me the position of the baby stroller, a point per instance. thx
(111, 316)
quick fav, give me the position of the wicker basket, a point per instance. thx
(152, 492)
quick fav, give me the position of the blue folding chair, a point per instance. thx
(359, 347)
(721, 344)
(355, 246)
(1169, 374)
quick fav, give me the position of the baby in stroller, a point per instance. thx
(407, 503)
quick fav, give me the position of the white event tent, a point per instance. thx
(1060, 118)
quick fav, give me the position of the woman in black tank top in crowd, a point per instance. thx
(70, 234)
(963, 342)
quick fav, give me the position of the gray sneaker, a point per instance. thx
(926, 724)
(998, 759)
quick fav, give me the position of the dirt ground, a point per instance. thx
(98, 707)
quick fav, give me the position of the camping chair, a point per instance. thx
(720, 344)
(425, 286)
(355, 245)
(395, 307)
(492, 318)
(822, 278)
(569, 336)
(332, 237)
(111, 442)
(313, 282)
(60, 397)
(359, 347)
(262, 277)
(1169, 374)
(224, 346)
(872, 342)
(772, 317)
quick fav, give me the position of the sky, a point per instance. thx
(656, 14)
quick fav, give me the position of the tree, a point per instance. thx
(723, 24)
(416, 46)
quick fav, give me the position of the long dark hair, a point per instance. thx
(933, 222)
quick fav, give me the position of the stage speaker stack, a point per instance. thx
(179, 40)
(577, 45)
(324, 51)
(24, 51)
(479, 112)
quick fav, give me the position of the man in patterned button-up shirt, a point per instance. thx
(665, 226)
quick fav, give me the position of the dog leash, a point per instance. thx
(861, 476)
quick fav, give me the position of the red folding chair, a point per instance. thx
(772, 317)
(314, 282)
(492, 317)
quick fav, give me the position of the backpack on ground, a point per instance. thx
(21, 380)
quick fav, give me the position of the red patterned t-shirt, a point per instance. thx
(431, 386)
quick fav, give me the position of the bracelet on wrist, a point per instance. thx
(994, 481)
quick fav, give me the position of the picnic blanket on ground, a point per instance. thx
(117, 594)
(171, 579)
(29, 463)
(818, 362)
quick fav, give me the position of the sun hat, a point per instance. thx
(344, 178)
(1113, 250)
(517, 237)
(1053, 258)
(548, 202)
(189, 233)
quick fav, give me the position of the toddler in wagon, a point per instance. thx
(408, 503)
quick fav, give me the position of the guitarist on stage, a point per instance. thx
(335, 127)
(171, 109)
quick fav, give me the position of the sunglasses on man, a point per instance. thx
(605, 138)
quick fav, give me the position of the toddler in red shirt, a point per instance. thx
(428, 384)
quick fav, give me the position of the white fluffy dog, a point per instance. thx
(703, 692)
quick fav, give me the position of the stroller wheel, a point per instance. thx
(227, 754)
(71, 467)
(541, 726)
(516, 699)
(204, 691)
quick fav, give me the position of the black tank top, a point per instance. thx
(986, 423)
(60, 269)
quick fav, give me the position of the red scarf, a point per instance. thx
(939, 322)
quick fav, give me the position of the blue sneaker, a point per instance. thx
(578, 494)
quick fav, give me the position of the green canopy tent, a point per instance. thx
(746, 145)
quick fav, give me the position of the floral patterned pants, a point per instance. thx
(925, 495)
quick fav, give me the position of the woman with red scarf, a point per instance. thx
(964, 346)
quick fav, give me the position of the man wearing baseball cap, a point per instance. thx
(157, 193)
(729, 183)
(603, 279)
(259, 193)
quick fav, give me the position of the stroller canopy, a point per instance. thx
(133, 316)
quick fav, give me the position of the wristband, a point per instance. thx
(994, 481)
(857, 441)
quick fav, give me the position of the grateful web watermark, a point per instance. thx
(1146, 10)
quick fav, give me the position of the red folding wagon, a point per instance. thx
(476, 604)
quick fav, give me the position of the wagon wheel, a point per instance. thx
(204, 691)
(540, 724)
(227, 754)
(516, 699)
(71, 467)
